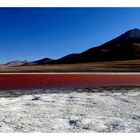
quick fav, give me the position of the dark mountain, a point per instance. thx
(64, 59)
(38, 62)
(124, 47)
(50, 61)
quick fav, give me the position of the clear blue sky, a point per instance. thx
(35, 33)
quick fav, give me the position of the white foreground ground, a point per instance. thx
(70, 111)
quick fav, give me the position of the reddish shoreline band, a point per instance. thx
(28, 81)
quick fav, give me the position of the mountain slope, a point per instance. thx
(38, 62)
(124, 47)
(64, 59)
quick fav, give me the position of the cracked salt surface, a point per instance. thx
(70, 111)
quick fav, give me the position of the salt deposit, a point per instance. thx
(70, 111)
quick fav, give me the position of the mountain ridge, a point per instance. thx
(124, 47)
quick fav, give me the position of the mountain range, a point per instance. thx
(124, 47)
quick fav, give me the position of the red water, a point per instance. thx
(27, 81)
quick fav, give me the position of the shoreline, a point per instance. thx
(11, 93)
(86, 73)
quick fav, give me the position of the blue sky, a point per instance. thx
(35, 33)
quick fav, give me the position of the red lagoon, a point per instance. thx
(27, 81)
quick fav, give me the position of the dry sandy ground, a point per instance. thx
(96, 110)
(108, 66)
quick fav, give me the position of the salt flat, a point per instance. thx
(95, 110)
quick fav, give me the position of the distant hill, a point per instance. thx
(49, 60)
(38, 62)
(15, 63)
